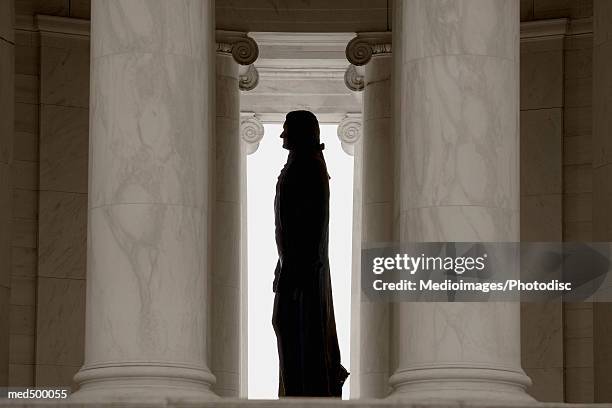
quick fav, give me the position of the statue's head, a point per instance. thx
(301, 131)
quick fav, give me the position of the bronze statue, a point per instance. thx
(303, 317)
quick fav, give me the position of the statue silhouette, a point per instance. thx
(303, 317)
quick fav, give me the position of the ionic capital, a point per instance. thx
(248, 78)
(362, 48)
(243, 48)
(353, 79)
(251, 131)
(349, 132)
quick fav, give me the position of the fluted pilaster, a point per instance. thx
(370, 56)
(236, 52)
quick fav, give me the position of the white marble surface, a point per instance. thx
(173, 27)
(377, 150)
(150, 108)
(227, 223)
(139, 245)
(470, 27)
(456, 129)
(148, 200)
(301, 70)
(357, 377)
(464, 134)
(227, 170)
(377, 201)
(226, 270)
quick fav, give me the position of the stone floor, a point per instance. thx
(294, 403)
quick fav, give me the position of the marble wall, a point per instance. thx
(7, 86)
(225, 273)
(50, 179)
(62, 221)
(541, 201)
(577, 211)
(556, 190)
(24, 241)
(602, 187)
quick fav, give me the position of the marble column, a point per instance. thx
(251, 133)
(7, 108)
(146, 310)
(602, 186)
(372, 52)
(349, 133)
(234, 50)
(456, 84)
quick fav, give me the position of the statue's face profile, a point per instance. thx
(285, 137)
(300, 131)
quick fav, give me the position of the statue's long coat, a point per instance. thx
(303, 317)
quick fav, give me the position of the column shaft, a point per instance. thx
(356, 377)
(225, 274)
(377, 218)
(374, 167)
(228, 341)
(147, 233)
(456, 128)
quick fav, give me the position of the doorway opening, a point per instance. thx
(263, 168)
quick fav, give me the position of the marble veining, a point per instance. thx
(457, 177)
(148, 209)
(146, 121)
(477, 27)
(460, 333)
(463, 142)
(149, 26)
(157, 252)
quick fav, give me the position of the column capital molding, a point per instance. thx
(364, 46)
(239, 45)
(349, 132)
(251, 131)
(354, 78)
(248, 78)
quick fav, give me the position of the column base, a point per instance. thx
(460, 383)
(143, 382)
